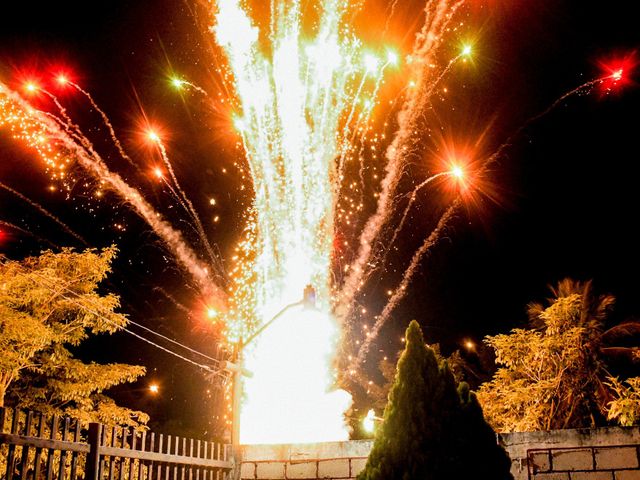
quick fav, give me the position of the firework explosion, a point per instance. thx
(303, 113)
(304, 95)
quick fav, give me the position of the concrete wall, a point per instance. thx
(334, 460)
(601, 454)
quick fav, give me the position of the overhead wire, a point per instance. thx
(208, 368)
(202, 366)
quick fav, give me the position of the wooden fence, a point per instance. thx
(38, 447)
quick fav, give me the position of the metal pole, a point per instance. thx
(237, 398)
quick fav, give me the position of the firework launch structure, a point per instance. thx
(237, 370)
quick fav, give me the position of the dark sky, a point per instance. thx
(565, 196)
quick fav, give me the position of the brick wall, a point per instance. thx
(600, 454)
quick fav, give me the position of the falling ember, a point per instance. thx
(457, 172)
(31, 87)
(153, 136)
(177, 83)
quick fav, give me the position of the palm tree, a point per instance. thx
(588, 393)
(557, 374)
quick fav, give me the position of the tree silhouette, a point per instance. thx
(433, 428)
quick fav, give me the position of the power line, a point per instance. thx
(144, 339)
(140, 337)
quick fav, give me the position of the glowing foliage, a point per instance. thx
(624, 409)
(554, 376)
(48, 304)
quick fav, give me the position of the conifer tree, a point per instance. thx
(432, 429)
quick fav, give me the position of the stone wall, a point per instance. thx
(600, 454)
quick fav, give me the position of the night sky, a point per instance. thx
(563, 199)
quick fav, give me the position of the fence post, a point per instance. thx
(92, 469)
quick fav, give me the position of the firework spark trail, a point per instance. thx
(195, 87)
(361, 124)
(392, 11)
(427, 94)
(363, 117)
(363, 146)
(107, 123)
(576, 91)
(69, 125)
(579, 89)
(44, 212)
(434, 84)
(292, 107)
(53, 144)
(27, 232)
(295, 109)
(405, 213)
(173, 300)
(361, 169)
(401, 291)
(346, 143)
(15, 227)
(438, 16)
(66, 122)
(184, 201)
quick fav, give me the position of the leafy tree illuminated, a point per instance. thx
(555, 374)
(49, 304)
